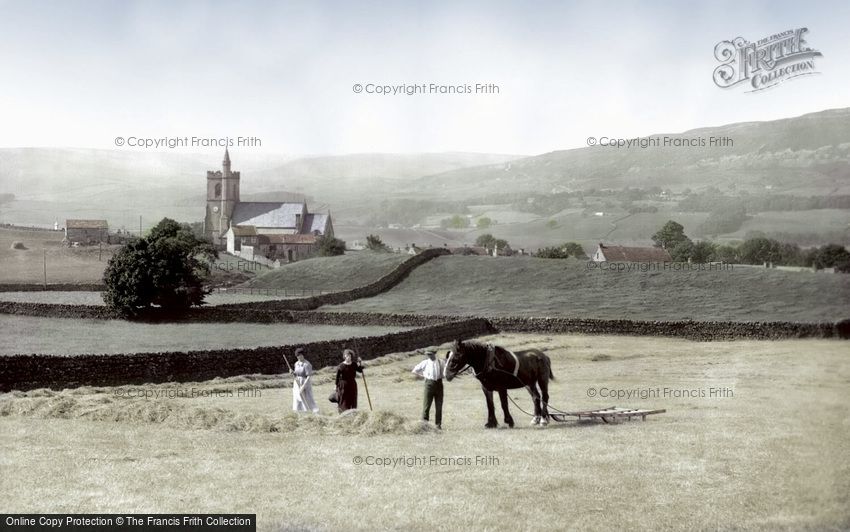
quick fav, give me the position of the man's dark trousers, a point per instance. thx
(433, 392)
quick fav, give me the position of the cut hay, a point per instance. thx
(18, 245)
(47, 404)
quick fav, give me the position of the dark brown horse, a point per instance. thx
(500, 370)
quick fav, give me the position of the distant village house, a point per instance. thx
(630, 254)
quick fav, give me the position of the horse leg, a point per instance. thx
(503, 397)
(535, 398)
(544, 392)
(491, 409)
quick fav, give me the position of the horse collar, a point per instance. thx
(492, 352)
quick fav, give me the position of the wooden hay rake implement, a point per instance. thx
(612, 414)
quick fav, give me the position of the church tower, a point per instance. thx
(222, 197)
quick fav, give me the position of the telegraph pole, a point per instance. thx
(44, 262)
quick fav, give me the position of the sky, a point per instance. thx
(81, 73)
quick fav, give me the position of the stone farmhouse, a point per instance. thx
(630, 254)
(86, 231)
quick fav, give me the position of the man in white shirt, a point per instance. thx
(432, 369)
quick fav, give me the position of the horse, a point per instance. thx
(500, 370)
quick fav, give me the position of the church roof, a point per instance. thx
(266, 213)
(314, 222)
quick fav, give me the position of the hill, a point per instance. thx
(489, 286)
(58, 183)
(330, 273)
(808, 154)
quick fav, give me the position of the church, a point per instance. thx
(263, 231)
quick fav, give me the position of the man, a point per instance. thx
(432, 369)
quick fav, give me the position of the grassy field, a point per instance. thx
(64, 265)
(95, 298)
(613, 228)
(769, 453)
(492, 286)
(355, 268)
(825, 220)
(27, 334)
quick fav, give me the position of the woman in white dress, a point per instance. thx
(302, 388)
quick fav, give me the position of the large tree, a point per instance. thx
(833, 255)
(489, 241)
(671, 234)
(759, 250)
(703, 251)
(167, 268)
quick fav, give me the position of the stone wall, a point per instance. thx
(25, 372)
(388, 281)
(693, 330)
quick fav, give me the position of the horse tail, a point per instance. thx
(549, 367)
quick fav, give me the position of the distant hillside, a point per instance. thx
(359, 176)
(489, 286)
(56, 183)
(809, 154)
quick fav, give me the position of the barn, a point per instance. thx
(86, 231)
(630, 254)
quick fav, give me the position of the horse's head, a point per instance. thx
(456, 360)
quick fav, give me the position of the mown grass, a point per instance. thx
(772, 456)
(62, 337)
(511, 286)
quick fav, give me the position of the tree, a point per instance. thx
(489, 241)
(552, 253)
(703, 251)
(833, 256)
(329, 246)
(455, 222)
(374, 243)
(167, 268)
(483, 223)
(726, 253)
(671, 234)
(681, 251)
(575, 249)
(790, 255)
(759, 250)
(552, 224)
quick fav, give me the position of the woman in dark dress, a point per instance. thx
(346, 383)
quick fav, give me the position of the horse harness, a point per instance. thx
(491, 354)
(490, 364)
